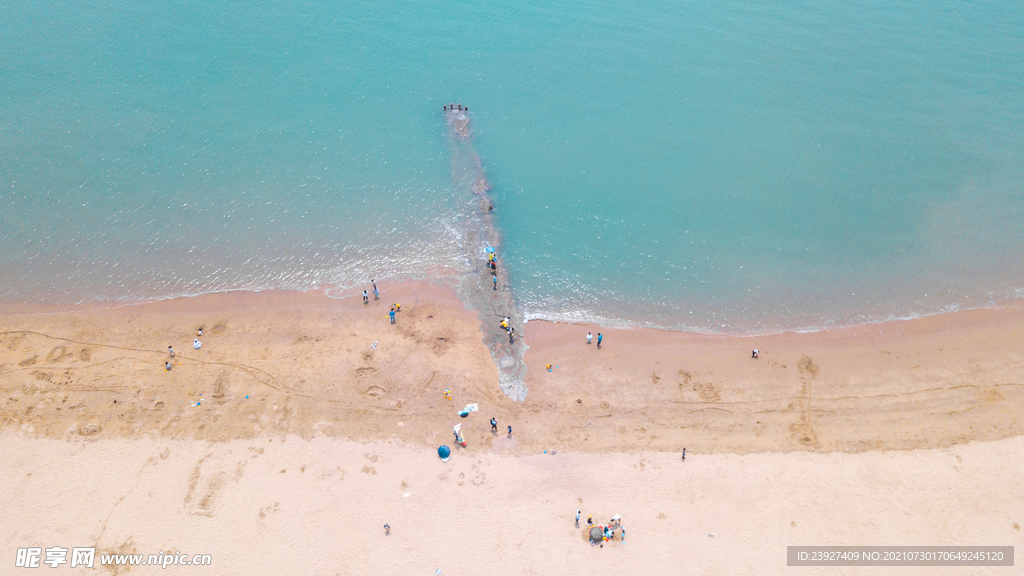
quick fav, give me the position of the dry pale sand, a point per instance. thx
(283, 444)
(295, 506)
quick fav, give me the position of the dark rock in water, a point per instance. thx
(491, 300)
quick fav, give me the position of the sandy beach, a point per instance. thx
(295, 506)
(291, 432)
(282, 363)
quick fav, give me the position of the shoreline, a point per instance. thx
(305, 361)
(450, 282)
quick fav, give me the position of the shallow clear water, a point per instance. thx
(711, 166)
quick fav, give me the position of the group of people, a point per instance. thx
(170, 350)
(492, 265)
(460, 440)
(508, 328)
(607, 532)
(494, 427)
(590, 337)
(376, 293)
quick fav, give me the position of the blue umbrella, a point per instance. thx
(444, 452)
(490, 249)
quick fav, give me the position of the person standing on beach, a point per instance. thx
(684, 454)
(589, 337)
(495, 279)
(376, 292)
(366, 297)
(392, 315)
(494, 425)
(170, 351)
(599, 338)
(509, 430)
(387, 529)
(578, 518)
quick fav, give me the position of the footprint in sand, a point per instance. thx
(707, 391)
(807, 366)
(275, 507)
(14, 340)
(375, 392)
(57, 354)
(201, 497)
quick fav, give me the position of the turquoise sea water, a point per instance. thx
(717, 166)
